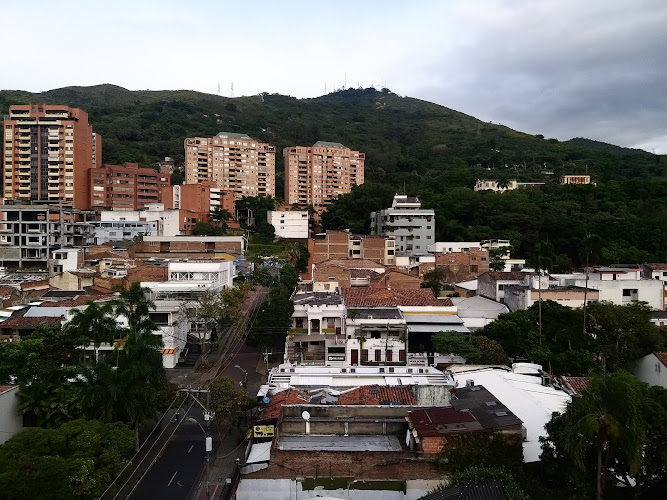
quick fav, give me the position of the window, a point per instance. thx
(389, 356)
(376, 335)
(364, 355)
(378, 355)
(401, 356)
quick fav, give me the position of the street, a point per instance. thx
(176, 470)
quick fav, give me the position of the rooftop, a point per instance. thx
(374, 313)
(488, 410)
(327, 144)
(433, 422)
(524, 395)
(577, 384)
(662, 357)
(233, 135)
(383, 297)
(289, 397)
(334, 443)
(378, 395)
(503, 275)
(657, 266)
(317, 299)
(351, 263)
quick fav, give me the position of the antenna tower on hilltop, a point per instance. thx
(231, 90)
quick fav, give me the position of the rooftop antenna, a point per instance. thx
(231, 91)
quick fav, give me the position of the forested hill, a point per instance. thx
(424, 148)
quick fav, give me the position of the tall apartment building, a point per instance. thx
(412, 227)
(319, 174)
(48, 151)
(235, 162)
(125, 187)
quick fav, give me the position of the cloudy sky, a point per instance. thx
(561, 68)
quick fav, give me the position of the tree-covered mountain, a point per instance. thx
(412, 145)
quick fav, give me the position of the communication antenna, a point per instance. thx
(325, 88)
(231, 91)
(345, 82)
(218, 88)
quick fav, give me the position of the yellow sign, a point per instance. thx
(263, 431)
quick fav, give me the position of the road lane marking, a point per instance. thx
(191, 446)
(172, 479)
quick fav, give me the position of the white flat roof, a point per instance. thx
(525, 396)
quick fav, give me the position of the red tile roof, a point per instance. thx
(31, 322)
(433, 422)
(7, 291)
(383, 297)
(378, 394)
(576, 384)
(658, 266)
(288, 397)
(662, 357)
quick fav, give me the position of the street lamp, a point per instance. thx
(243, 384)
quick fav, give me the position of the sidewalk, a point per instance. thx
(232, 447)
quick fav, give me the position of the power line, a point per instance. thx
(156, 456)
(142, 446)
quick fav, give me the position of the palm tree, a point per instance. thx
(94, 323)
(134, 304)
(292, 254)
(140, 364)
(607, 417)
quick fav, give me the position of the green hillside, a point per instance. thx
(426, 149)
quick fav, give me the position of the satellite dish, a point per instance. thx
(305, 415)
(266, 400)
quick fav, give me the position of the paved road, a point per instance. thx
(174, 473)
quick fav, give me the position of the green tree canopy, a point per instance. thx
(76, 461)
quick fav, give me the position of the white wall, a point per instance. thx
(453, 246)
(649, 369)
(289, 224)
(11, 421)
(649, 291)
(167, 220)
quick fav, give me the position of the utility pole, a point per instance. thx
(209, 444)
(266, 357)
(208, 440)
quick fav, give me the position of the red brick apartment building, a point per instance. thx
(125, 187)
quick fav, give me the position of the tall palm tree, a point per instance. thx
(140, 363)
(607, 417)
(135, 305)
(94, 323)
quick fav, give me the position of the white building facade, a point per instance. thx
(413, 228)
(289, 225)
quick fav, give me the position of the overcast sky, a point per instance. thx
(561, 68)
